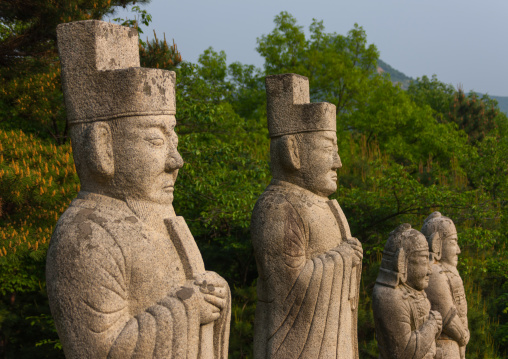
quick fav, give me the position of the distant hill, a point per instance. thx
(398, 77)
(395, 75)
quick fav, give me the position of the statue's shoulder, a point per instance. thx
(389, 299)
(272, 203)
(381, 292)
(278, 197)
(83, 212)
(274, 213)
(94, 223)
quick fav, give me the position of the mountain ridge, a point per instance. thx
(398, 77)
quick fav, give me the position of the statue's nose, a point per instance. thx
(337, 163)
(174, 161)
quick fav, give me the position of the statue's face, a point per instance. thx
(319, 162)
(146, 158)
(450, 250)
(418, 270)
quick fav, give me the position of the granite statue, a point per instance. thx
(406, 327)
(309, 264)
(446, 290)
(125, 278)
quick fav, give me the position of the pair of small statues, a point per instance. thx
(125, 278)
(420, 308)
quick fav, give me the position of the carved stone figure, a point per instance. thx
(406, 328)
(309, 264)
(446, 290)
(125, 278)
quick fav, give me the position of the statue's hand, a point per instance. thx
(434, 315)
(467, 336)
(356, 246)
(211, 283)
(351, 247)
(214, 290)
(207, 312)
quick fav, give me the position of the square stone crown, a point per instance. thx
(102, 78)
(289, 109)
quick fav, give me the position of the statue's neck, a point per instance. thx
(152, 214)
(450, 268)
(416, 293)
(298, 188)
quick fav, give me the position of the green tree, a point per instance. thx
(339, 67)
(29, 28)
(476, 116)
(433, 93)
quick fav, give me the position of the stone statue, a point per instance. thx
(446, 290)
(406, 328)
(125, 278)
(309, 264)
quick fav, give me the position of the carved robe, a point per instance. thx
(403, 330)
(118, 288)
(446, 295)
(306, 305)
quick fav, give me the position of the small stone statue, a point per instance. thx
(406, 328)
(125, 278)
(309, 264)
(446, 290)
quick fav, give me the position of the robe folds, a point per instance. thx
(403, 327)
(117, 287)
(446, 295)
(307, 290)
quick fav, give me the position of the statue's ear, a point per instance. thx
(101, 161)
(436, 244)
(291, 155)
(401, 264)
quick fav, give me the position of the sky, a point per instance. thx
(463, 42)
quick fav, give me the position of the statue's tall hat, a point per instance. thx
(101, 74)
(289, 109)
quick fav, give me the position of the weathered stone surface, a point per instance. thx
(125, 278)
(406, 328)
(309, 264)
(446, 290)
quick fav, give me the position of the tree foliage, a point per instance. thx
(28, 28)
(476, 116)
(339, 67)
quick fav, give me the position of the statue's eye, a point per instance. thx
(156, 141)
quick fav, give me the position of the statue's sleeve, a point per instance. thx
(305, 294)
(93, 309)
(440, 297)
(393, 322)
